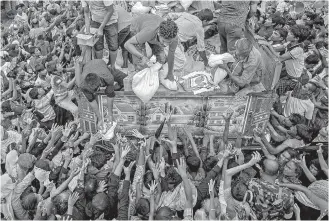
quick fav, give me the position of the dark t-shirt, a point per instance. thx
(99, 67)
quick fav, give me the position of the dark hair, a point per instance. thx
(5, 106)
(61, 204)
(168, 29)
(53, 11)
(278, 20)
(205, 15)
(321, 44)
(283, 32)
(238, 189)
(193, 163)
(143, 206)
(304, 132)
(316, 163)
(148, 178)
(210, 163)
(101, 201)
(39, 67)
(34, 93)
(312, 59)
(318, 21)
(40, 37)
(310, 15)
(79, 24)
(173, 177)
(47, 17)
(29, 202)
(19, 6)
(164, 213)
(69, 32)
(90, 186)
(292, 152)
(296, 118)
(42, 164)
(92, 80)
(309, 24)
(37, 150)
(301, 32)
(98, 159)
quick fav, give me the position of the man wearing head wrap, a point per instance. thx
(246, 74)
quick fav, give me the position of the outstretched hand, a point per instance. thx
(256, 157)
(181, 167)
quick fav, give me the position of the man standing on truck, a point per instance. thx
(104, 17)
(232, 22)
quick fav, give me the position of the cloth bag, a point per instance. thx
(171, 85)
(146, 82)
(217, 59)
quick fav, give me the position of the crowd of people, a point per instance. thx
(52, 170)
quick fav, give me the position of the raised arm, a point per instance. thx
(307, 172)
(265, 151)
(322, 204)
(194, 146)
(181, 169)
(227, 119)
(323, 164)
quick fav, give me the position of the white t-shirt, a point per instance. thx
(303, 107)
(295, 65)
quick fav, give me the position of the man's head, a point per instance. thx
(292, 169)
(243, 48)
(100, 203)
(309, 15)
(30, 201)
(315, 167)
(37, 93)
(72, 32)
(311, 61)
(143, 207)
(239, 189)
(19, 8)
(205, 15)
(279, 21)
(286, 156)
(60, 202)
(318, 22)
(90, 186)
(210, 163)
(92, 81)
(167, 32)
(298, 33)
(173, 178)
(271, 167)
(279, 34)
(41, 70)
(193, 163)
(165, 213)
(98, 159)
